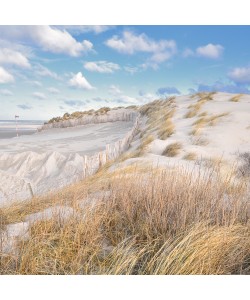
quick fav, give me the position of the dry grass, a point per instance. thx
(195, 108)
(203, 121)
(144, 144)
(202, 95)
(172, 149)
(156, 222)
(236, 98)
(167, 129)
(213, 120)
(200, 141)
(159, 114)
(214, 162)
(203, 114)
(195, 131)
(190, 156)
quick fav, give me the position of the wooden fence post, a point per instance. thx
(30, 190)
(85, 165)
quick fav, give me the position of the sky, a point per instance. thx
(46, 71)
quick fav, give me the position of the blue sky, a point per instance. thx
(46, 71)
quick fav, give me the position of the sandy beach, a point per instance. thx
(25, 127)
(52, 158)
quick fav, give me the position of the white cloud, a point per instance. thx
(210, 51)
(35, 83)
(59, 41)
(12, 57)
(79, 81)
(188, 52)
(78, 29)
(160, 57)
(101, 66)
(240, 75)
(131, 43)
(39, 96)
(121, 98)
(114, 90)
(6, 92)
(146, 97)
(131, 70)
(5, 77)
(48, 38)
(45, 72)
(53, 90)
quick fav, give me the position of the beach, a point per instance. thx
(52, 158)
(25, 127)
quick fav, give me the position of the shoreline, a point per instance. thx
(10, 134)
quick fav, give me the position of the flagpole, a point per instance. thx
(16, 125)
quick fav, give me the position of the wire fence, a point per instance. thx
(91, 164)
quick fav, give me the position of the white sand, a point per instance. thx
(54, 158)
(225, 140)
(51, 159)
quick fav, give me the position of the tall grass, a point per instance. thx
(152, 222)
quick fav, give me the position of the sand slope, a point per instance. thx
(51, 159)
(223, 139)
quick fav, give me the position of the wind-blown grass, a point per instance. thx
(155, 222)
(172, 149)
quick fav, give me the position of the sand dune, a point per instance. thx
(51, 159)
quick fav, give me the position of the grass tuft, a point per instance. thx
(236, 98)
(190, 156)
(166, 130)
(172, 149)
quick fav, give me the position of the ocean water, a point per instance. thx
(24, 127)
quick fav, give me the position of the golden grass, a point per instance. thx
(159, 114)
(144, 144)
(236, 98)
(195, 108)
(190, 156)
(203, 121)
(172, 149)
(195, 131)
(202, 95)
(153, 222)
(213, 162)
(167, 129)
(200, 141)
(203, 114)
(213, 120)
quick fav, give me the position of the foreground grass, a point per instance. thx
(152, 221)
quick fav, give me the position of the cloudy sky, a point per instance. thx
(46, 71)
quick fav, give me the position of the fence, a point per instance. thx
(91, 164)
(112, 151)
(92, 119)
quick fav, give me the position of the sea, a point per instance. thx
(24, 127)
